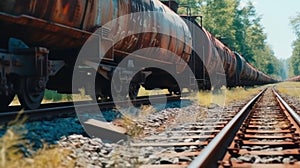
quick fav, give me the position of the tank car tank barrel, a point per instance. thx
(87, 16)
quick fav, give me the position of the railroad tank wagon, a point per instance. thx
(264, 79)
(240, 68)
(205, 60)
(229, 61)
(63, 26)
(47, 36)
(247, 74)
(235, 68)
(295, 78)
(199, 60)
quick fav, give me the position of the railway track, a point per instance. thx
(55, 110)
(183, 143)
(263, 133)
(267, 136)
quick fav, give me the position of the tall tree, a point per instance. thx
(190, 6)
(295, 58)
(219, 19)
(250, 35)
(295, 22)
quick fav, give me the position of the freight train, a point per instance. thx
(294, 79)
(41, 40)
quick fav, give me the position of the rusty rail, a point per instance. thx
(210, 155)
(54, 110)
(288, 108)
(268, 137)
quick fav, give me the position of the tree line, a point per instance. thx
(294, 60)
(240, 28)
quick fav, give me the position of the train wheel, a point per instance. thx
(31, 93)
(134, 88)
(5, 100)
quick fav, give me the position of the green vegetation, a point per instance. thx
(240, 29)
(294, 61)
(54, 96)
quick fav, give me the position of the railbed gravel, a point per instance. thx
(94, 152)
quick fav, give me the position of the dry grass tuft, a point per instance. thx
(52, 97)
(144, 92)
(145, 110)
(289, 88)
(240, 93)
(129, 119)
(51, 157)
(11, 154)
(134, 129)
(224, 96)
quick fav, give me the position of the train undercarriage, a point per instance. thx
(25, 72)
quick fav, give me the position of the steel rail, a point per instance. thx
(295, 116)
(68, 109)
(211, 154)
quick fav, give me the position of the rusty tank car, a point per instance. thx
(294, 79)
(63, 26)
(233, 67)
(41, 43)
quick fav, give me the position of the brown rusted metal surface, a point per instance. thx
(247, 165)
(283, 152)
(267, 131)
(66, 24)
(67, 12)
(228, 58)
(187, 139)
(216, 149)
(268, 138)
(295, 78)
(270, 143)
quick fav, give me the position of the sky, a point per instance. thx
(276, 16)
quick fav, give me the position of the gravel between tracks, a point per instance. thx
(95, 153)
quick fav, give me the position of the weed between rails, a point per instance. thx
(130, 118)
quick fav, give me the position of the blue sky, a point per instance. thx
(276, 16)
